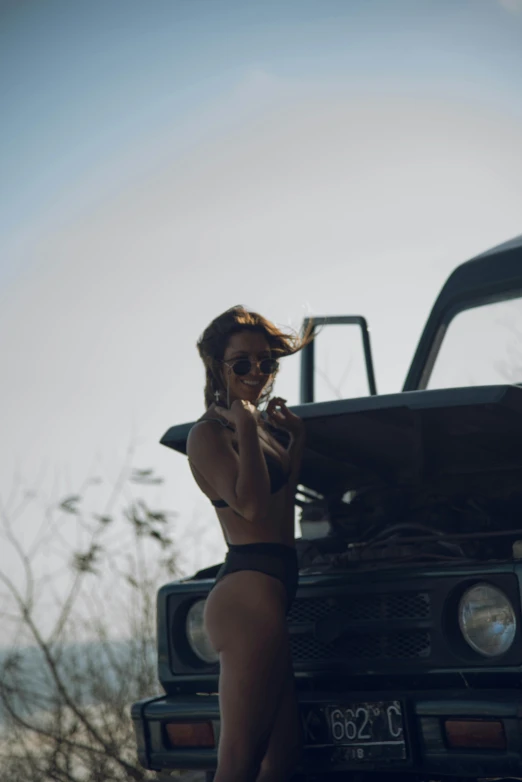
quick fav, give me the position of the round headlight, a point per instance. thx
(197, 637)
(487, 620)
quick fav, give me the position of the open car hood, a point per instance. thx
(405, 438)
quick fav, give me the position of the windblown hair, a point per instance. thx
(213, 342)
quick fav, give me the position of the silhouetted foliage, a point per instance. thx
(66, 685)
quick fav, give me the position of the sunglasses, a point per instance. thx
(242, 366)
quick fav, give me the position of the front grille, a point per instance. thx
(390, 646)
(400, 605)
(306, 648)
(403, 644)
(375, 627)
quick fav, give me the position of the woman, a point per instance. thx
(248, 466)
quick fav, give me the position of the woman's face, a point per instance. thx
(254, 346)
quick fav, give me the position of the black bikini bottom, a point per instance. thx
(274, 559)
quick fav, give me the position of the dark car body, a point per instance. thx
(420, 494)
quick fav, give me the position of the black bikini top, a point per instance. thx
(278, 478)
(277, 475)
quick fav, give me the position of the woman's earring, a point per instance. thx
(217, 395)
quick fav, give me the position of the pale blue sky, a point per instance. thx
(162, 161)
(82, 80)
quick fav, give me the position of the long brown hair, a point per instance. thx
(213, 342)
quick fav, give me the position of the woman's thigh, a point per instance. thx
(245, 618)
(285, 744)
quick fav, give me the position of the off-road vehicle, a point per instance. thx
(407, 627)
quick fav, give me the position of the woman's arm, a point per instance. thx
(296, 457)
(281, 416)
(242, 479)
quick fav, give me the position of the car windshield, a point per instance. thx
(482, 346)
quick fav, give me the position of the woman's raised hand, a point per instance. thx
(279, 415)
(240, 411)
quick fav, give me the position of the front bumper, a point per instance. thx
(423, 714)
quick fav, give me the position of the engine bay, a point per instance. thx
(481, 520)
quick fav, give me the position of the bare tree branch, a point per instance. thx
(68, 714)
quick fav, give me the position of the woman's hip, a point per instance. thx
(276, 560)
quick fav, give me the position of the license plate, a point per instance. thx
(368, 731)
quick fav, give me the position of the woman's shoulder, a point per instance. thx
(212, 416)
(207, 428)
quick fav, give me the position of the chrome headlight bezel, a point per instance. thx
(486, 593)
(197, 637)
